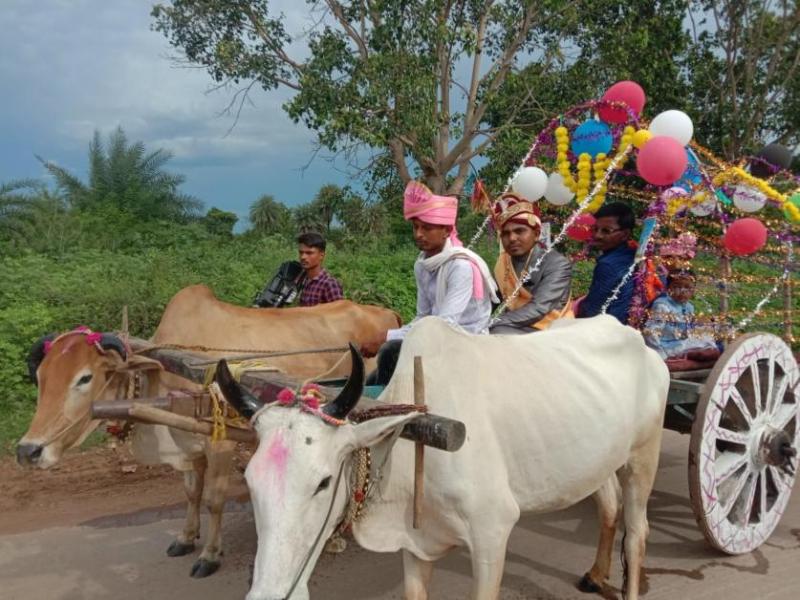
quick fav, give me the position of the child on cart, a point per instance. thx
(671, 329)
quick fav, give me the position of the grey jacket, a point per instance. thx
(549, 286)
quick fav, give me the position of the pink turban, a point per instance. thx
(421, 203)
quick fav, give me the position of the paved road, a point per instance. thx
(122, 557)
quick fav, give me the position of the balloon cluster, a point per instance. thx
(585, 151)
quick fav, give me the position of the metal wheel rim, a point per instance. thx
(737, 499)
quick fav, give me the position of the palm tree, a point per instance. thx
(269, 216)
(129, 178)
(307, 218)
(328, 202)
(17, 206)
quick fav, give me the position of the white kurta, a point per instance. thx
(459, 305)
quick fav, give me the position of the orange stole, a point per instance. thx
(507, 281)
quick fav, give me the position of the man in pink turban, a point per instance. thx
(453, 283)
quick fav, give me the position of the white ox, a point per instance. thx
(73, 373)
(551, 419)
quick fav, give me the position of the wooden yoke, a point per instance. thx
(430, 430)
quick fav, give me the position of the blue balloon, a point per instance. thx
(593, 138)
(692, 175)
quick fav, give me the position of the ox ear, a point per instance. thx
(245, 403)
(371, 432)
(36, 356)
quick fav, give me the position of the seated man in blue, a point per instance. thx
(670, 330)
(612, 236)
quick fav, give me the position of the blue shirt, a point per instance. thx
(608, 272)
(669, 328)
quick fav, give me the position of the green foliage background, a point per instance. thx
(44, 293)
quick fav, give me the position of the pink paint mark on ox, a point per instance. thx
(271, 464)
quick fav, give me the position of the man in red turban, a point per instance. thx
(546, 293)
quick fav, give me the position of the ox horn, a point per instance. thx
(36, 356)
(245, 403)
(109, 341)
(351, 392)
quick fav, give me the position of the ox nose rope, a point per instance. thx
(319, 535)
(81, 421)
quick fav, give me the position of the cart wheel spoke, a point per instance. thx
(762, 499)
(736, 437)
(727, 464)
(755, 376)
(733, 504)
(771, 399)
(780, 479)
(783, 416)
(741, 405)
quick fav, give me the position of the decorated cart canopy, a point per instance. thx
(733, 223)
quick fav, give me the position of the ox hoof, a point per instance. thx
(588, 586)
(177, 548)
(203, 568)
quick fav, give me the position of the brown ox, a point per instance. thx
(74, 372)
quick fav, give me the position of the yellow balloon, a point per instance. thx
(641, 137)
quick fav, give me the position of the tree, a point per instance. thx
(269, 216)
(307, 218)
(744, 69)
(128, 178)
(328, 203)
(220, 222)
(16, 206)
(380, 75)
(360, 217)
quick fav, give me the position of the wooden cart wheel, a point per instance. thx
(745, 432)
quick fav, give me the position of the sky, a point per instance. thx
(70, 67)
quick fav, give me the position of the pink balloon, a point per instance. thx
(629, 92)
(745, 236)
(582, 229)
(661, 161)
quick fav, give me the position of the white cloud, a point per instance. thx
(88, 65)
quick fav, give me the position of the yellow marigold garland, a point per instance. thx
(587, 171)
(739, 174)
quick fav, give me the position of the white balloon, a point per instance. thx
(705, 204)
(748, 199)
(557, 193)
(530, 183)
(675, 124)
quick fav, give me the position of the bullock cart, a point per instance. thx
(196, 412)
(742, 414)
(743, 417)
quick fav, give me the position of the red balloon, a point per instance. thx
(745, 236)
(662, 161)
(582, 228)
(629, 92)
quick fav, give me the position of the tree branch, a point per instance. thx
(397, 149)
(280, 54)
(501, 68)
(338, 12)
